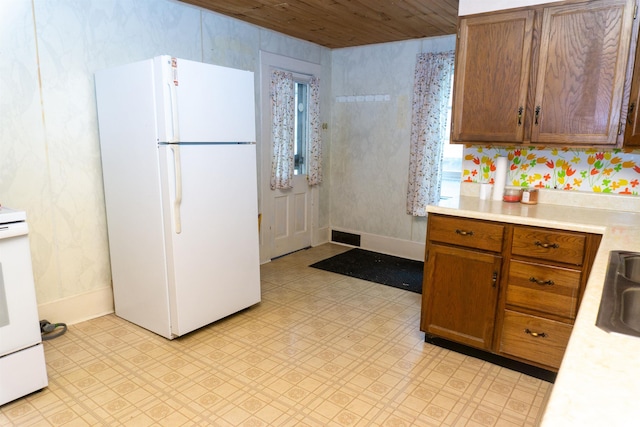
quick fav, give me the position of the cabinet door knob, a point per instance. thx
(535, 334)
(537, 115)
(541, 282)
(546, 245)
(464, 233)
(494, 279)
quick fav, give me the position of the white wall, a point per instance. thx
(49, 147)
(370, 143)
(469, 7)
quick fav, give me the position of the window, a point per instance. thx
(451, 162)
(301, 126)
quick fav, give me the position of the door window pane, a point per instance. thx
(301, 128)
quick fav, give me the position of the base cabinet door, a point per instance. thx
(460, 295)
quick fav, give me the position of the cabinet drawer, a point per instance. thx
(466, 232)
(534, 338)
(559, 246)
(548, 289)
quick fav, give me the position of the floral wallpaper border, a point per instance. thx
(592, 170)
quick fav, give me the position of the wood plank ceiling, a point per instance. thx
(344, 23)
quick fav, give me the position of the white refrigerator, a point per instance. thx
(177, 140)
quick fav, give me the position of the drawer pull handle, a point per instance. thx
(464, 233)
(547, 245)
(535, 334)
(542, 282)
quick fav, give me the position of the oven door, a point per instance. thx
(19, 325)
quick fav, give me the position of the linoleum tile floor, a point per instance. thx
(321, 349)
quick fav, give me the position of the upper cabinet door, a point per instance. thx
(632, 128)
(491, 77)
(584, 50)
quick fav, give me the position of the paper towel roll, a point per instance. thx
(500, 178)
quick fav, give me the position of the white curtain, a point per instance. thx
(315, 143)
(282, 133)
(283, 114)
(431, 93)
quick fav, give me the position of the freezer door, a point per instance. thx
(212, 246)
(200, 102)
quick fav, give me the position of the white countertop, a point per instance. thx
(598, 383)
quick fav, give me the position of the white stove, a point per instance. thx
(22, 365)
(8, 215)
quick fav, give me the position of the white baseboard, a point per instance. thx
(318, 237)
(321, 236)
(78, 308)
(390, 245)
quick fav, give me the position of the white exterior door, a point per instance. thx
(291, 230)
(287, 215)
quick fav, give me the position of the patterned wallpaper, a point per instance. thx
(590, 170)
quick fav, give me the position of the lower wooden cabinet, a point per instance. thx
(461, 302)
(517, 296)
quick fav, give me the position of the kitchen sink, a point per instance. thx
(631, 267)
(630, 308)
(620, 304)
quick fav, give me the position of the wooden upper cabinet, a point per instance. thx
(491, 77)
(564, 65)
(581, 72)
(632, 129)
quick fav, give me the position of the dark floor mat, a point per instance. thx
(375, 267)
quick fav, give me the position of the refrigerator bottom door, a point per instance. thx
(211, 232)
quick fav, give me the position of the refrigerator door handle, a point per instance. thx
(178, 189)
(173, 105)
